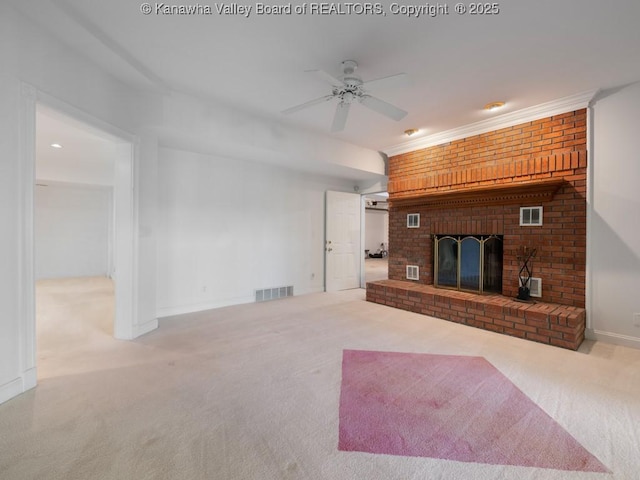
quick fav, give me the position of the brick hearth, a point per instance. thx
(554, 324)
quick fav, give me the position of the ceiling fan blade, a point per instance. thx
(340, 118)
(307, 104)
(382, 107)
(398, 80)
(328, 78)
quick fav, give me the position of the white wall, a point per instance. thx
(28, 55)
(284, 245)
(87, 173)
(376, 229)
(614, 239)
(12, 373)
(91, 174)
(72, 231)
(196, 125)
(228, 227)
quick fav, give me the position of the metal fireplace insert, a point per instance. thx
(468, 262)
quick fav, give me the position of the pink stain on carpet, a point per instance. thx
(449, 407)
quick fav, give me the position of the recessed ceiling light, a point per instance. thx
(411, 131)
(56, 145)
(494, 106)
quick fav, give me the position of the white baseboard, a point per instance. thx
(18, 385)
(307, 291)
(199, 307)
(614, 338)
(10, 389)
(146, 327)
(29, 379)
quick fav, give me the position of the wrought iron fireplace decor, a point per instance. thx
(468, 262)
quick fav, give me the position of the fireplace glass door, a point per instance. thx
(492, 265)
(447, 268)
(469, 262)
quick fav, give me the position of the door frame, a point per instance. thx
(125, 192)
(363, 232)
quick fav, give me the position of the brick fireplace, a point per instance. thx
(473, 190)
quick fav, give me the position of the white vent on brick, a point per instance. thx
(413, 272)
(535, 286)
(274, 293)
(530, 216)
(413, 220)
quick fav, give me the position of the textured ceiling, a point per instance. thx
(527, 54)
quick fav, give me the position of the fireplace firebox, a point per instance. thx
(468, 262)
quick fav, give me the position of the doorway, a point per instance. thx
(35, 102)
(74, 226)
(376, 236)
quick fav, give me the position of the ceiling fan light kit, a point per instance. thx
(351, 88)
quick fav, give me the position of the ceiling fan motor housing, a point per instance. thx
(349, 88)
(349, 66)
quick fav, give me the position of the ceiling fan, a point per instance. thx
(349, 89)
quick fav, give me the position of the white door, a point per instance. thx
(342, 241)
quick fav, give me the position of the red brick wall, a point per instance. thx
(553, 147)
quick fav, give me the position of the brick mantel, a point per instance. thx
(499, 194)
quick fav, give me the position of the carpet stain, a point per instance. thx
(450, 407)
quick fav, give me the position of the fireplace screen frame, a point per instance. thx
(459, 256)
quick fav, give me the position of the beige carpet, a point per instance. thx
(376, 269)
(252, 392)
